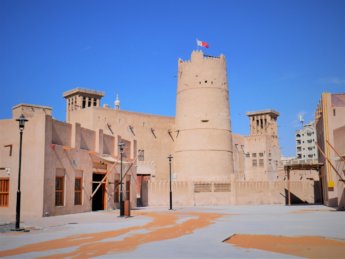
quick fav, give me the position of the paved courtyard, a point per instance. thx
(205, 232)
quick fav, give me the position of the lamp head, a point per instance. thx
(21, 121)
(121, 147)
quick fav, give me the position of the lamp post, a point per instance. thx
(122, 209)
(21, 121)
(170, 157)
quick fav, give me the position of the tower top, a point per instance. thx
(79, 98)
(83, 91)
(263, 122)
(272, 113)
(198, 55)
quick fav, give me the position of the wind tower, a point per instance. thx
(203, 145)
(79, 98)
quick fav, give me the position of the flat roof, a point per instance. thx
(263, 112)
(307, 166)
(31, 105)
(84, 91)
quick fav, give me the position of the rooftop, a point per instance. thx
(83, 91)
(271, 112)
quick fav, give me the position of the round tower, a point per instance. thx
(203, 145)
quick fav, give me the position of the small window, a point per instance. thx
(78, 191)
(247, 155)
(334, 113)
(128, 190)
(141, 155)
(255, 163)
(4, 191)
(59, 190)
(261, 154)
(253, 154)
(117, 191)
(261, 162)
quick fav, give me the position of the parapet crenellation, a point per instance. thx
(199, 55)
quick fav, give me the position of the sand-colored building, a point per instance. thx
(74, 165)
(62, 166)
(330, 128)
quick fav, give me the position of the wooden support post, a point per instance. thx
(289, 193)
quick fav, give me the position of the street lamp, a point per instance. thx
(170, 157)
(21, 121)
(122, 209)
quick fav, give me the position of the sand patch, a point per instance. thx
(304, 246)
(163, 226)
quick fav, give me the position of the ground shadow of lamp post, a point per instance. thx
(122, 209)
(170, 157)
(21, 121)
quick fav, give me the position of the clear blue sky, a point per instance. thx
(281, 54)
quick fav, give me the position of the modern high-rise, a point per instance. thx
(305, 142)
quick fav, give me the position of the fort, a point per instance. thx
(75, 166)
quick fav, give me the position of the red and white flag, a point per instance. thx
(202, 43)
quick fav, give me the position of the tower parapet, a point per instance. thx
(203, 148)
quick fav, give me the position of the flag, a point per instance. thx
(202, 43)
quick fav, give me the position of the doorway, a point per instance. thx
(98, 199)
(142, 190)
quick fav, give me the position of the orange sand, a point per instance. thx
(310, 247)
(163, 227)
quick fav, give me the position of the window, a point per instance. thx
(141, 156)
(253, 154)
(78, 191)
(261, 162)
(4, 191)
(255, 163)
(128, 190)
(334, 113)
(117, 191)
(247, 155)
(202, 187)
(59, 190)
(261, 154)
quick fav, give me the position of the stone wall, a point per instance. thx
(233, 193)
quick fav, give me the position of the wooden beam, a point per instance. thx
(335, 151)
(289, 193)
(329, 161)
(99, 185)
